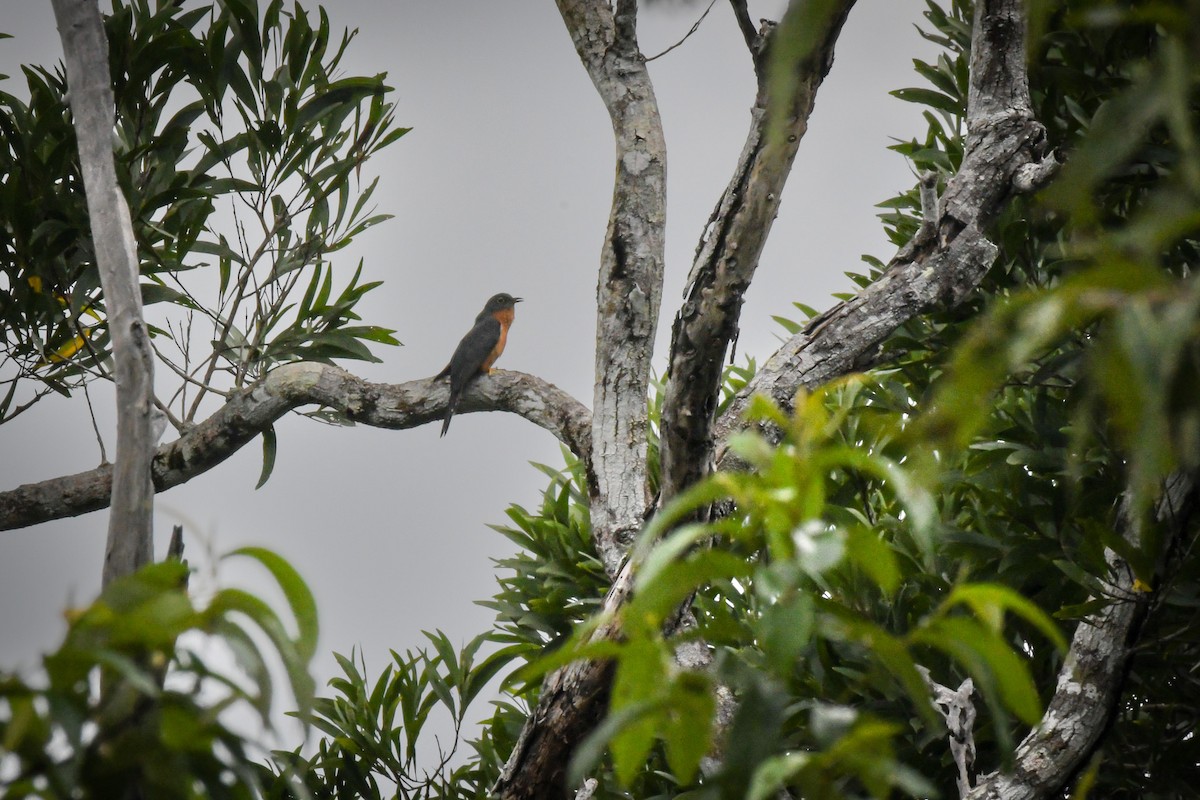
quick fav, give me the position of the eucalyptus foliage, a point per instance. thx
(239, 147)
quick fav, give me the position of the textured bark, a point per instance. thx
(1091, 679)
(628, 294)
(629, 289)
(726, 259)
(572, 702)
(130, 532)
(944, 263)
(1004, 141)
(247, 414)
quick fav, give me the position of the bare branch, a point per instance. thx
(956, 708)
(695, 27)
(753, 43)
(726, 259)
(85, 48)
(629, 289)
(1092, 676)
(249, 412)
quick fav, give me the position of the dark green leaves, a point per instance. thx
(241, 185)
(153, 727)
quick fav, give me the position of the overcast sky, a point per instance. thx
(503, 185)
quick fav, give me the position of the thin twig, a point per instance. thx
(687, 35)
(95, 427)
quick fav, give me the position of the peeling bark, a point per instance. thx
(726, 260)
(942, 265)
(130, 524)
(248, 413)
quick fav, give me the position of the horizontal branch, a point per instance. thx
(248, 413)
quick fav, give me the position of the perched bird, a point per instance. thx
(479, 349)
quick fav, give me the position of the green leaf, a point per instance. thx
(269, 447)
(687, 729)
(989, 602)
(773, 774)
(928, 97)
(874, 557)
(589, 752)
(997, 669)
(299, 597)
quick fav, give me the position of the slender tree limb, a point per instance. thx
(1092, 676)
(629, 289)
(956, 708)
(250, 412)
(695, 27)
(726, 260)
(945, 262)
(753, 41)
(130, 526)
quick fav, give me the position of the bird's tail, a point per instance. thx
(450, 406)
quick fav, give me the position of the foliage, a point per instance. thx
(939, 511)
(948, 510)
(831, 578)
(374, 729)
(238, 148)
(132, 703)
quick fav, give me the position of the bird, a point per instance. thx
(479, 349)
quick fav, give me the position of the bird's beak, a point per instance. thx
(518, 299)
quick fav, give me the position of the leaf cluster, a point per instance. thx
(133, 703)
(239, 147)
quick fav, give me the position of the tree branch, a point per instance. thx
(944, 263)
(923, 274)
(629, 289)
(753, 43)
(1092, 676)
(130, 525)
(726, 259)
(250, 412)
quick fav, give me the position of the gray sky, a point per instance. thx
(503, 185)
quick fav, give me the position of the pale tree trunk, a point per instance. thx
(130, 525)
(629, 288)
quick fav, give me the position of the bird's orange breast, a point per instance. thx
(505, 318)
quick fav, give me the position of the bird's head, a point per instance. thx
(500, 302)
